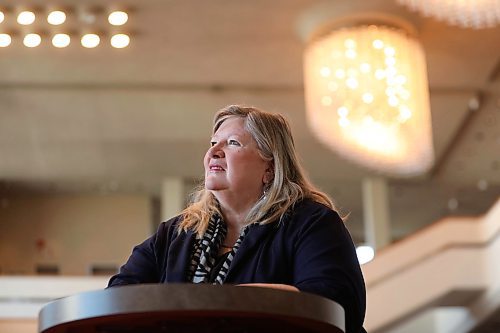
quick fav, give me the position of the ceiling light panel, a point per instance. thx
(60, 25)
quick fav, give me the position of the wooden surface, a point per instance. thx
(183, 308)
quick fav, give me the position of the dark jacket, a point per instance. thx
(311, 250)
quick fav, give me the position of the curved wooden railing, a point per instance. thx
(455, 256)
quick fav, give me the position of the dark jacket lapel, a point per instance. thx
(250, 245)
(179, 257)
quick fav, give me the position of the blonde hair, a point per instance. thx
(288, 186)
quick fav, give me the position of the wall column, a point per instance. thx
(172, 197)
(376, 212)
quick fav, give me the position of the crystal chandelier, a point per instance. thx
(464, 13)
(367, 98)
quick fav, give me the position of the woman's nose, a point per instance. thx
(215, 151)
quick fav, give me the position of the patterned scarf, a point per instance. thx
(206, 251)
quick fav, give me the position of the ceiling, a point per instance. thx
(80, 120)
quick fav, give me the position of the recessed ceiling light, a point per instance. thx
(26, 17)
(32, 40)
(90, 40)
(118, 18)
(120, 41)
(61, 40)
(5, 40)
(56, 17)
(2, 16)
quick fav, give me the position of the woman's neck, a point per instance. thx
(234, 210)
(235, 222)
(234, 218)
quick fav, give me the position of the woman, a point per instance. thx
(257, 220)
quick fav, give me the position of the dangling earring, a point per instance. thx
(267, 185)
(264, 192)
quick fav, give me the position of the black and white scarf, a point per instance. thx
(206, 250)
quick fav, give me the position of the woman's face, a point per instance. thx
(233, 165)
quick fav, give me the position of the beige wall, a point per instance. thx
(73, 232)
(19, 326)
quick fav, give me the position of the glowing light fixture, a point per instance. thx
(69, 17)
(5, 40)
(465, 13)
(26, 18)
(32, 40)
(90, 40)
(61, 40)
(118, 18)
(120, 41)
(365, 254)
(56, 17)
(367, 98)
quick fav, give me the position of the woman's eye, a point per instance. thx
(233, 142)
(212, 143)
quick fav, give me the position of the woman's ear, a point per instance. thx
(268, 175)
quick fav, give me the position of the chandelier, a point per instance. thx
(367, 98)
(464, 13)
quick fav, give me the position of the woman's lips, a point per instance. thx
(216, 168)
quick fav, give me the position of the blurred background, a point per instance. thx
(99, 144)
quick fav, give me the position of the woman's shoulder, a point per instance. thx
(310, 218)
(309, 213)
(312, 209)
(171, 222)
(169, 228)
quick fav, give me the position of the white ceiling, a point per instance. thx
(122, 120)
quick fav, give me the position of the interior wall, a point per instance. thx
(19, 326)
(72, 231)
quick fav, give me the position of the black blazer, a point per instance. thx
(311, 249)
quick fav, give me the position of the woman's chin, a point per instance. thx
(209, 186)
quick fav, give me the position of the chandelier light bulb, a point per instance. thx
(61, 40)
(5, 40)
(2, 16)
(120, 41)
(26, 18)
(56, 17)
(118, 18)
(367, 98)
(90, 40)
(32, 40)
